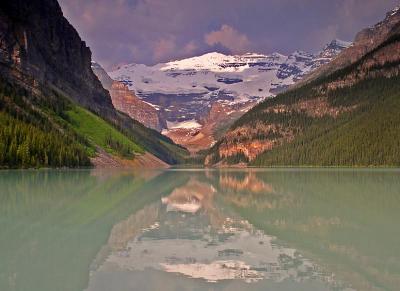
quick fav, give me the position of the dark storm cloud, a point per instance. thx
(150, 31)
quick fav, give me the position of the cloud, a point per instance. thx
(163, 48)
(229, 38)
(150, 31)
(190, 48)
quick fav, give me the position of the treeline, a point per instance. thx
(25, 146)
(237, 158)
(33, 135)
(368, 136)
(258, 112)
(122, 149)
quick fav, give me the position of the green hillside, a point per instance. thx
(99, 132)
(348, 118)
(369, 136)
(49, 130)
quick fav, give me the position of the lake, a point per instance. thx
(250, 229)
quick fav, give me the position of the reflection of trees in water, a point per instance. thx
(209, 243)
(346, 219)
(247, 189)
(54, 222)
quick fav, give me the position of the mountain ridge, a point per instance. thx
(344, 115)
(192, 89)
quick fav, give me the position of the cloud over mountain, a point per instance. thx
(150, 31)
(229, 38)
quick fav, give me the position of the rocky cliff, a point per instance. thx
(218, 119)
(365, 41)
(41, 52)
(126, 101)
(38, 45)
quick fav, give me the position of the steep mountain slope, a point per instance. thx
(192, 89)
(45, 71)
(126, 101)
(365, 41)
(345, 117)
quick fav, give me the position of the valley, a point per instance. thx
(47, 87)
(337, 107)
(195, 89)
(167, 145)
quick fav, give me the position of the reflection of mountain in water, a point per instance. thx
(191, 235)
(271, 229)
(345, 219)
(190, 197)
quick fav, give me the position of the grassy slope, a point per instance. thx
(96, 130)
(67, 124)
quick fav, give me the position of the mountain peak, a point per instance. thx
(334, 48)
(339, 43)
(394, 11)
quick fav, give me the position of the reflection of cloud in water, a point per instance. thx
(234, 252)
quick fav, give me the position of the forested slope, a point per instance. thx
(349, 117)
(52, 106)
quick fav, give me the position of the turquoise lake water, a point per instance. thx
(250, 229)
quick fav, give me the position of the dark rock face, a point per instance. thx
(37, 42)
(42, 52)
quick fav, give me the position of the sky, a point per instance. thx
(152, 31)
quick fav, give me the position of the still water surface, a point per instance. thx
(275, 229)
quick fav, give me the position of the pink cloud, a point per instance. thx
(229, 38)
(190, 48)
(163, 48)
(139, 31)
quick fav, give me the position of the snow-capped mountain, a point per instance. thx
(333, 49)
(185, 90)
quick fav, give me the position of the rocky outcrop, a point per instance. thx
(39, 46)
(254, 139)
(316, 107)
(365, 41)
(43, 53)
(126, 101)
(219, 118)
(104, 160)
